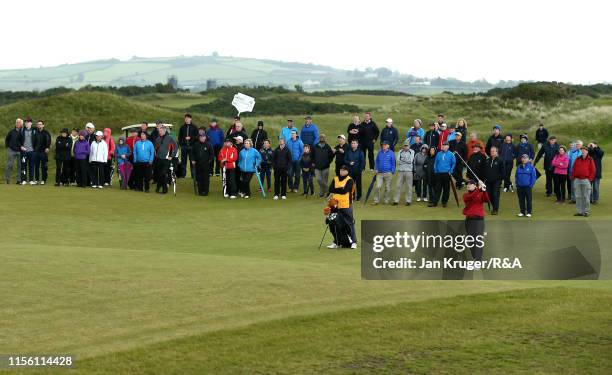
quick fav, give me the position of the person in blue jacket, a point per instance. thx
(389, 134)
(309, 133)
(296, 148)
(525, 179)
(144, 154)
(415, 130)
(355, 161)
(385, 168)
(215, 136)
(285, 132)
(249, 160)
(444, 166)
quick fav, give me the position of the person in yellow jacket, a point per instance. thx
(343, 191)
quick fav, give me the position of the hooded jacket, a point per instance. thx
(110, 143)
(258, 136)
(419, 165)
(405, 160)
(122, 149)
(285, 133)
(249, 160)
(525, 175)
(63, 145)
(98, 152)
(81, 149)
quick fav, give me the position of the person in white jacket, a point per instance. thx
(98, 155)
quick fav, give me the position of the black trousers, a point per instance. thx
(185, 153)
(368, 151)
(356, 176)
(203, 177)
(74, 165)
(216, 163)
(280, 182)
(508, 165)
(308, 181)
(107, 171)
(458, 174)
(266, 174)
(161, 174)
(347, 214)
(442, 187)
(475, 227)
(230, 181)
(525, 199)
(82, 172)
(560, 180)
(40, 166)
(62, 171)
(97, 173)
(420, 186)
(142, 176)
(245, 181)
(494, 190)
(569, 185)
(549, 182)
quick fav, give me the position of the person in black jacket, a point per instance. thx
(63, 146)
(476, 164)
(187, 137)
(458, 145)
(281, 162)
(340, 151)
(259, 135)
(596, 154)
(495, 139)
(323, 156)
(430, 176)
(307, 167)
(42, 145)
(202, 152)
(368, 134)
(432, 136)
(541, 136)
(353, 129)
(12, 143)
(493, 176)
(549, 150)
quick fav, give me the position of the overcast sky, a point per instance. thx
(470, 39)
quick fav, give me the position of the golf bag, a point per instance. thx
(340, 229)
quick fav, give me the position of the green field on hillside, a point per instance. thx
(143, 283)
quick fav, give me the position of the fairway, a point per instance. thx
(100, 273)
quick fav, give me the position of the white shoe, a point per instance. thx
(520, 215)
(42, 182)
(283, 197)
(24, 182)
(226, 196)
(32, 182)
(241, 195)
(418, 199)
(94, 186)
(425, 200)
(106, 184)
(354, 245)
(247, 196)
(232, 197)
(528, 215)
(332, 246)
(100, 187)
(505, 190)
(275, 197)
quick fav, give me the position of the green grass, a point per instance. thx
(137, 283)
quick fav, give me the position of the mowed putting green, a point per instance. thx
(133, 282)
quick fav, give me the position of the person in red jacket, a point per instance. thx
(582, 176)
(228, 156)
(109, 166)
(474, 199)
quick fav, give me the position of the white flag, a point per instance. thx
(243, 103)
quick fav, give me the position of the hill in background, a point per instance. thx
(194, 72)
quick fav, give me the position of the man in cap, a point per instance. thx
(496, 139)
(27, 153)
(541, 135)
(443, 134)
(405, 173)
(98, 157)
(187, 137)
(281, 163)
(340, 151)
(63, 147)
(166, 150)
(42, 145)
(389, 134)
(343, 190)
(476, 164)
(91, 130)
(296, 148)
(432, 136)
(310, 132)
(285, 132)
(549, 151)
(214, 135)
(583, 174)
(385, 168)
(525, 179)
(494, 172)
(355, 161)
(444, 166)
(202, 153)
(415, 131)
(323, 156)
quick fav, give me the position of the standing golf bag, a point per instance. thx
(340, 229)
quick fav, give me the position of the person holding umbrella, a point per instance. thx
(474, 198)
(202, 155)
(124, 167)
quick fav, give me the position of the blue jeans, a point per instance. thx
(595, 190)
(294, 175)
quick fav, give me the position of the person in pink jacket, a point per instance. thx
(559, 165)
(110, 144)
